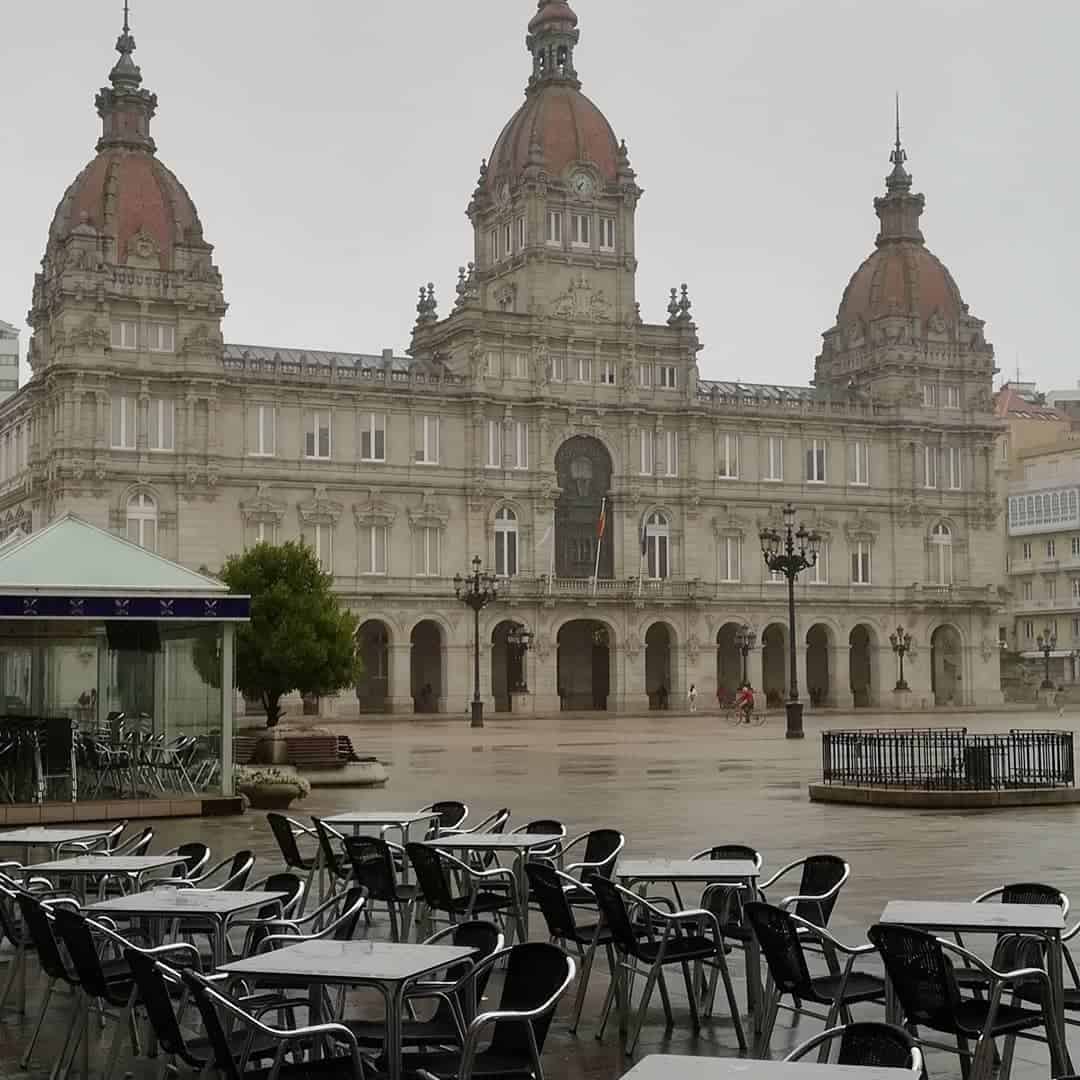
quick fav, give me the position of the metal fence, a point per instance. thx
(947, 759)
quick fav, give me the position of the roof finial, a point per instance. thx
(899, 179)
(126, 27)
(125, 73)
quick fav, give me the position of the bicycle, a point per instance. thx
(736, 715)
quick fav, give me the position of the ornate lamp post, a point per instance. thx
(789, 553)
(1047, 643)
(519, 640)
(745, 640)
(900, 640)
(476, 591)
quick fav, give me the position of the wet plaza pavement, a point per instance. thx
(673, 785)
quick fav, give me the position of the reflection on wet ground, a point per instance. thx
(674, 785)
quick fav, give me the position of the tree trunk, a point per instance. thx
(272, 704)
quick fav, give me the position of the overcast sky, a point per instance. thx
(332, 146)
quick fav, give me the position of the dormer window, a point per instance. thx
(562, 55)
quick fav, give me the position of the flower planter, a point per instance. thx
(270, 796)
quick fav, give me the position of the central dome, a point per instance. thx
(557, 126)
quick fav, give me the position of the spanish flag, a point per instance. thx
(602, 523)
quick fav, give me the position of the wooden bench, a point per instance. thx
(304, 751)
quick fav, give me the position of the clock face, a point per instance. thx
(582, 184)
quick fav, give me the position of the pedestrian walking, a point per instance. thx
(691, 697)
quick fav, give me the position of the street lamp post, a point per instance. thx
(520, 641)
(745, 640)
(900, 640)
(789, 553)
(1047, 643)
(476, 591)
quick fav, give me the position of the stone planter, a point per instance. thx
(271, 796)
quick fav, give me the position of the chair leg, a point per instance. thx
(691, 995)
(24, 1061)
(733, 1004)
(965, 1057)
(125, 1024)
(583, 985)
(650, 982)
(768, 1022)
(665, 998)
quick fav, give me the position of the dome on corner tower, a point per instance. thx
(558, 125)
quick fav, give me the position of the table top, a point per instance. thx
(680, 1067)
(492, 841)
(180, 902)
(964, 915)
(380, 817)
(35, 836)
(107, 864)
(327, 961)
(686, 869)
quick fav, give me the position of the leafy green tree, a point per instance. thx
(299, 637)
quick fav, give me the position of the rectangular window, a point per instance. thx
(727, 454)
(264, 431)
(952, 397)
(323, 544)
(774, 462)
(729, 558)
(929, 395)
(579, 230)
(1076, 628)
(815, 461)
(492, 364)
(1004, 449)
(671, 453)
(265, 532)
(493, 245)
(521, 234)
(161, 337)
(1029, 629)
(123, 422)
(607, 372)
(580, 369)
(506, 561)
(657, 555)
(1027, 590)
(644, 375)
(930, 463)
(554, 228)
(860, 464)
(1051, 549)
(558, 367)
(372, 437)
(519, 366)
(125, 334)
(427, 551)
(520, 445)
(666, 376)
(860, 563)
(818, 574)
(646, 459)
(607, 234)
(1027, 550)
(1051, 591)
(373, 544)
(1076, 547)
(494, 458)
(426, 441)
(162, 424)
(508, 239)
(956, 469)
(317, 434)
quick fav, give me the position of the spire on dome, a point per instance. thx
(552, 35)
(125, 108)
(898, 210)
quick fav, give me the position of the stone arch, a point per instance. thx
(374, 641)
(584, 469)
(427, 665)
(507, 664)
(820, 643)
(946, 664)
(862, 664)
(584, 663)
(659, 654)
(729, 661)
(774, 663)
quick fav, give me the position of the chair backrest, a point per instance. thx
(613, 909)
(39, 926)
(778, 936)
(601, 847)
(868, 1043)
(820, 874)
(545, 886)
(535, 972)
(346, 930)
(240, 866)
(1032, 892)
(921, 974)
(451, 814)
(373, 866)
(195, 855)
(286, 840)
(476, 934)
(215, 1032)
(431, 876)
(326, 845)
(138, 845)
(74, 931)
(115, 833)
(287, 882)
(731, 851)
(154, 995)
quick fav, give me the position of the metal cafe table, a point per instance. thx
(401, 820)
(680, 1067)
(520, 843)
(1040, 920)
(631, 872)
(34, 836)
(213, 907)
(386, 966)
(132, 867)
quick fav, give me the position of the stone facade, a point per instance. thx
(9, 360)
(540, 405)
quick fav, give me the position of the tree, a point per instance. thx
(299, 637)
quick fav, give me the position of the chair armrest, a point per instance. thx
(825, 936)
(988, 894)
(1000, 976)
(780, 873)
(789, 901)
(496, 872)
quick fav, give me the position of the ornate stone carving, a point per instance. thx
(89, 335)
(860, 524)
(581, 303)
(374, 512)
(429, 513)
(693, 648)
(143, 251)
(262, 508)
(320, 509)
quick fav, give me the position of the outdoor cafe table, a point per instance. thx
(386, 966)
(680, 1067)
(34, 836)
(520, 843)
(642, 872)
(1042, 920)
(213, 906)
(129, 866)
(401, 820)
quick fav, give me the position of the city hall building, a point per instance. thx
(540, 421)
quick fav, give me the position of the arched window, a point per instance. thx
(142, 520)
(657, 546)
(506, 542)
(941, 554)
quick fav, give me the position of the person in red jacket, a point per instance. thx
(744, 700)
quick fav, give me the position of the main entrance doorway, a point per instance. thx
(584, 665)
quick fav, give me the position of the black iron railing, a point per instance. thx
(937, 759)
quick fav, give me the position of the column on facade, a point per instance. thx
(458, 671)
(400, 699)
(632, 696)
(755, 672)
(883, 675)
(800, 667)
(840, 667)
(542, 667)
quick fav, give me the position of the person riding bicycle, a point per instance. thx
(744, 701)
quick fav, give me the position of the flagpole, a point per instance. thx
(600, 542)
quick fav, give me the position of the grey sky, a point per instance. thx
(332, 146)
